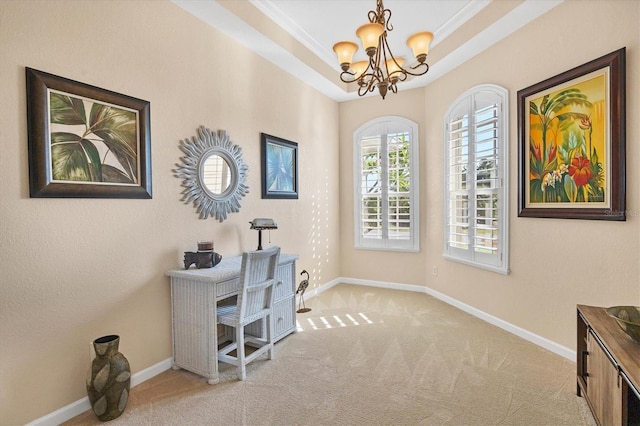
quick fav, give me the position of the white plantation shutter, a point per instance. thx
(371, 188)
(458, 195)
(476, 216)
(386, 185)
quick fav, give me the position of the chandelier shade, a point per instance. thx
(359, 68)
(419, 43)
(394, 66)
(345, 51)
(370, 35)
(382, 70)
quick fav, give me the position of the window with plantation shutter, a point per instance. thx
(386, 185)
(476, 171)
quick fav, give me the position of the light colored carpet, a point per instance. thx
(370, 356)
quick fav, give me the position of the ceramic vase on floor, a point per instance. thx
(109, 379)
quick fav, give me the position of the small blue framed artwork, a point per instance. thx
(279, 167)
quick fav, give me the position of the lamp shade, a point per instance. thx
(345, 51)
(394, 67)
(359, 68)
(419, 43)
(370, 34)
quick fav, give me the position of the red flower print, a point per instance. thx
(579, 170)
(535, 150)
(585, 122)
(552, 153)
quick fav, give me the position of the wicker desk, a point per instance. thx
(194, 295)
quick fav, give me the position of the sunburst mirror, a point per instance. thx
(213, 172)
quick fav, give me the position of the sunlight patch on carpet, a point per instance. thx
(334, 321)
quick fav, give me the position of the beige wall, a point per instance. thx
(73, 270)
(555, 264)
(391, 266)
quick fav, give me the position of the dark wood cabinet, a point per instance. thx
(608, 368)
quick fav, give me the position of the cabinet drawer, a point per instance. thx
(284, 319)
(226, 288)
(286, 285)
(282, 290)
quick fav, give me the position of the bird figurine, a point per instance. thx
(301, 288)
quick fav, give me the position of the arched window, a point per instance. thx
(386, 185)
(476, 179)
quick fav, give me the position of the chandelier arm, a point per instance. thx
(374, 77)
(373, 16)
(379, 75)
(375, 62)
(345, 79)
(400, 75)
(365, 88)
(386, 17)
(385, 48)
(420, 72)
(382, 57)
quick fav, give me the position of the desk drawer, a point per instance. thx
(284, 319)
(227, 288)
(286, 286)
(282, 290)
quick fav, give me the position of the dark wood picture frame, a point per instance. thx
(86, 142)
(574, 196)
(279, 158)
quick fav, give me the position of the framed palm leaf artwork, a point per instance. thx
(572, 131)
(86, 142)
(279, 167)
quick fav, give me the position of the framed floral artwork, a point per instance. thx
(279, 167)
(86, 142)
(571, 131)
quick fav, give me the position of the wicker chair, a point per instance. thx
(255, 300)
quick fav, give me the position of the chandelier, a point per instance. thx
(382, 70)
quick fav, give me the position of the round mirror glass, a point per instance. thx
(216, 174)
(213, 172)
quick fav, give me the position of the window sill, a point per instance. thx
(395, 249)
(498, 269)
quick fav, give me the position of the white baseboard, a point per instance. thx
(80, 406)
(317, 290)
(154, 370)
(543, 342)
(75, 408)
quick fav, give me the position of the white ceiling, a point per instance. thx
(318, 24)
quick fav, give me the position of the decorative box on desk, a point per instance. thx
(608, 368)
(194, 295)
